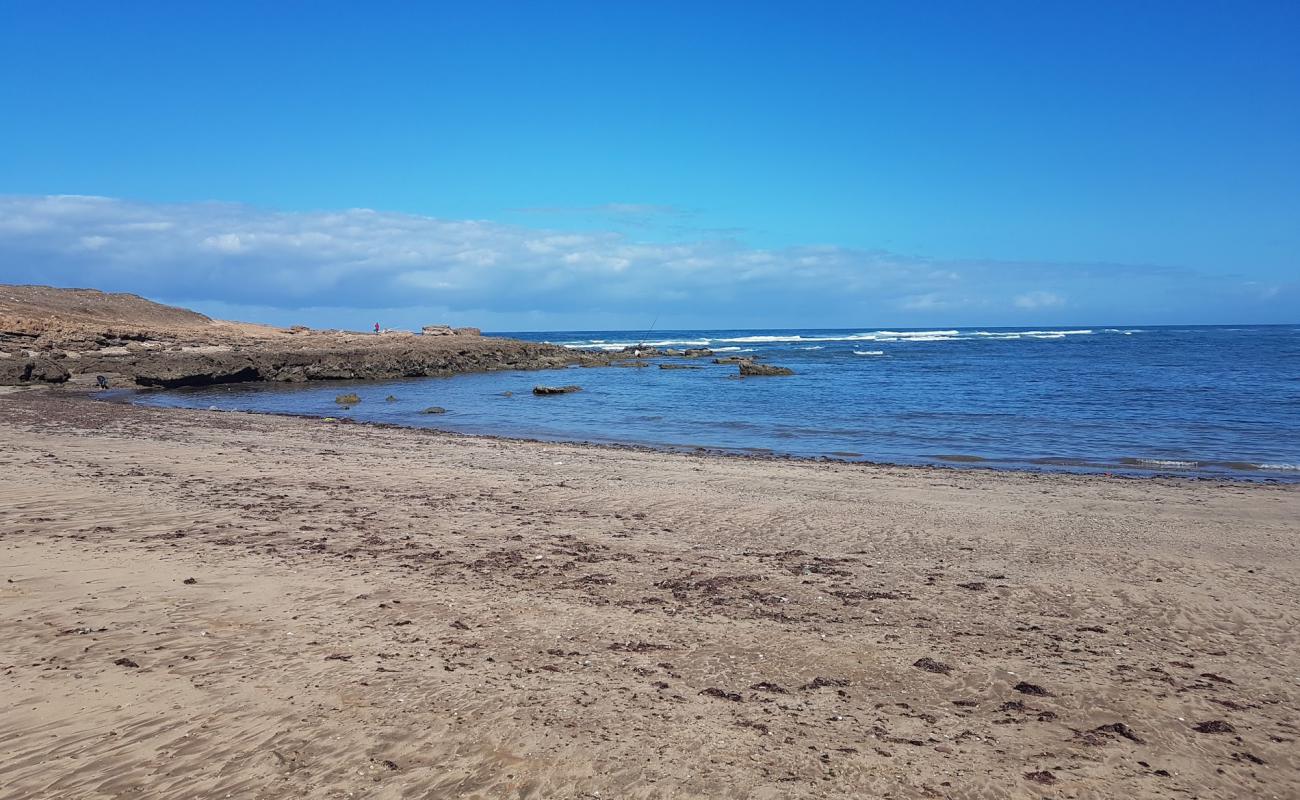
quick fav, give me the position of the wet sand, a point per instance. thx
(199, 604)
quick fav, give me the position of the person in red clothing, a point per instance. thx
(376, 327)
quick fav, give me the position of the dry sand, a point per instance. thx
(386, 613)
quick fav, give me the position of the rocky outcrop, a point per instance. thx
(21, 369)
(749, 369)
(47, 333)
(447, 330)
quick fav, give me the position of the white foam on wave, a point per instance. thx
(765, 339)
(911, 334)
(1280, 467)
(1164, 462)
(868, 352)
(601, 344)
(729, 349)
(866, 336)
(814, 347)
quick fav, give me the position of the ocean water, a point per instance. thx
(1191, 400)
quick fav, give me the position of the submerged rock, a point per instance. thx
(347, 399)
(678, 366)
(556, 389)
(434, 410)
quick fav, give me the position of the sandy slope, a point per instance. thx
(383, 613)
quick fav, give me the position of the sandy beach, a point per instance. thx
(203, 604)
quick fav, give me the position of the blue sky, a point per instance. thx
(592, 165)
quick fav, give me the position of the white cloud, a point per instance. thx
(240, 256)
(1039, 299)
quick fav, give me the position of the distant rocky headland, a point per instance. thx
(50, 335)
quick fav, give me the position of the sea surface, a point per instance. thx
(1221, 401)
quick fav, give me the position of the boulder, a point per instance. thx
(437, 330)
(678, 366)
(434, 410)
(732, 360)
(347, 399)
(749, 369)
(15, 371)
(697, 352)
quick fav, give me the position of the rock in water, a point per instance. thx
(556, 389)
(750, 369)
(434, 410)
(347, 399)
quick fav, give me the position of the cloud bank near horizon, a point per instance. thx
(230, 258)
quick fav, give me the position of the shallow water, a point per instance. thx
(1198, 400)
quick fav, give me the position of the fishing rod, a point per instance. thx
(641, 343)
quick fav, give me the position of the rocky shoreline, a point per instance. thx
(52, 336)
(56, 335)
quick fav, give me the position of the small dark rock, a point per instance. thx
(1214, 726)
(767, 686)
(434, 410)
(722, 695)
(1031, 688)
(190, 581)
(540, 390)
(1119, 729)
(126, 662)
(930, 665)
(1044, 777)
